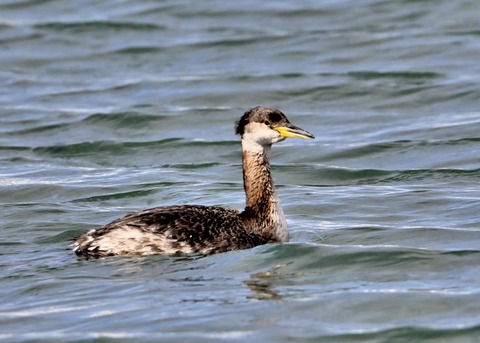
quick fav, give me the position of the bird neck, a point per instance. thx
(263, 209)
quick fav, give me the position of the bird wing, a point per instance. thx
(169, 230)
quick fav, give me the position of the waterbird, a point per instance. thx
(197, 229)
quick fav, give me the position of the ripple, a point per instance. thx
(410, 75)
(87, 148)
(94, 26)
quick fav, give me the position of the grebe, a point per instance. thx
(207, 229)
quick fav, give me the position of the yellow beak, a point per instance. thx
(292, 131)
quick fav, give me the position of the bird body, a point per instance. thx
(171, 230)
(207, 229)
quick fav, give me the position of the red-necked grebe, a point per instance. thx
(209, 229)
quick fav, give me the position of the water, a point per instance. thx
(108, 107)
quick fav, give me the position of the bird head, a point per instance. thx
(266, 126)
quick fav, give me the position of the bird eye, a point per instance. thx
(267, 122)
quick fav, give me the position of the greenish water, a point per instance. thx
(109, 107)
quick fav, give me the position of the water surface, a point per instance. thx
(115, 106)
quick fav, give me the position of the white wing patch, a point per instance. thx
(131, 241)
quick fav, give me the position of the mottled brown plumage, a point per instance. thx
(208, 229)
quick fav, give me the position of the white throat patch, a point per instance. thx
(257, 136)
